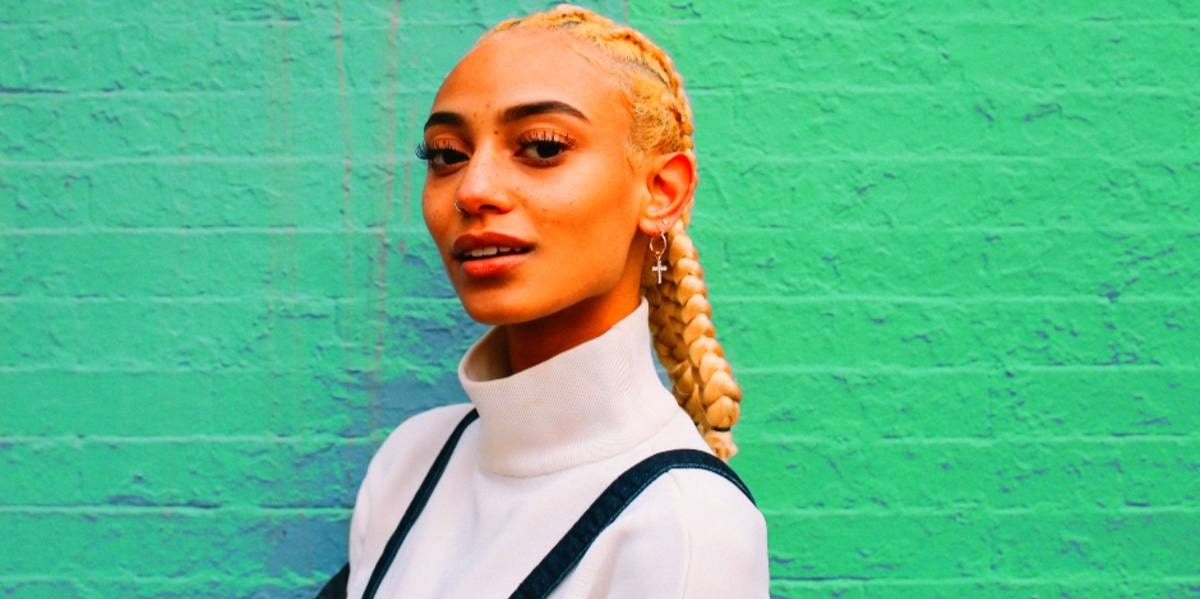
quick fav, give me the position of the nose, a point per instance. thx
(483, 185)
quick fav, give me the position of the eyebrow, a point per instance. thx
(521, 111)
(514, 113)
(445, 118)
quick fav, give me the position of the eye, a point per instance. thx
(544, 147)
(440, 155)
(544, 150)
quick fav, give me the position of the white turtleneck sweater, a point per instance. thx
(549, 439)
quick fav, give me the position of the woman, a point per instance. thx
(560, 176)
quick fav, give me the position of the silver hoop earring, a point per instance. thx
(659, 268)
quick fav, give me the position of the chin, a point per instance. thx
(497, 313)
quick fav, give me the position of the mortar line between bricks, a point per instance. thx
(938, 512)
(775, 440)
(58, 95)
(956, 300)
(297, 300)
(367, 160)
(996, 231)
(290, 584)
(321, 439)
(189, 580)
(50, 95)
(193, 369)
(999, 369)
(1072, 580)
(932, 89)
(974, 19)
(198, 231)
(101, 509)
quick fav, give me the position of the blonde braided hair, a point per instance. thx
(680, 313)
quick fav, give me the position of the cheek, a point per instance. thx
(437, 218)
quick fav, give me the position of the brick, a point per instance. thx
(949, 193)
(978, 264)
(44, 199)
(1005, 123)
(209, 56)
(883, 545)
(304, 193)
(322, 264)
(111, 544)
(1064, 474)
(651, 12)
(1053, 544)
(872, 404)
(950, 587)
(259, 125)
(852, 52)
(835, 332)
(237, 335)
(193, 471)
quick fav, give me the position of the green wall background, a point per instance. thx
(954, 248)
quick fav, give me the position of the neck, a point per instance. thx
(531, 343)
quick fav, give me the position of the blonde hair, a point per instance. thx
(680, 313)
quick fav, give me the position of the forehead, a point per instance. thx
(521, 66)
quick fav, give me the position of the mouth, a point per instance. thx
(490, 251)
(488, 254)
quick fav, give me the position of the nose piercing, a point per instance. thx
(458, 208)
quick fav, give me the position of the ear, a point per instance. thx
(671, 181)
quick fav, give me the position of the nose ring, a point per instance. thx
(458, 208)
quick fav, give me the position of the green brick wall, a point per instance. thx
(954, 249)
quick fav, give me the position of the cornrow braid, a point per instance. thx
(680, 313)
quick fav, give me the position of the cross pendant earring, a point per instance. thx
(659, 268)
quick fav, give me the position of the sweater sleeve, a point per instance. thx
(689, 534)
(358, 536)
(392, 477)
(728, 543)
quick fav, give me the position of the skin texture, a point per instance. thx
(530, 137)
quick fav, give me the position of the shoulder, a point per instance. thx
(697, 528)
(392, 478)
(417, 439)
(727, 552)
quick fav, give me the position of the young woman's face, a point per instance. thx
(531, 140)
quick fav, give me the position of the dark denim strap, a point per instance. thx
(416, 505)
(335, 588)
(604, 510)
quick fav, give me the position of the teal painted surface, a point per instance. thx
(954, 249)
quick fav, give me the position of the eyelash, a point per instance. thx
(537, 139)
(430, 154)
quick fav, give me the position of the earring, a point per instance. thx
(659, 268)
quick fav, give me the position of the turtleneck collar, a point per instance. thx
(588, 403)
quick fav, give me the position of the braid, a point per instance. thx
(680, 313)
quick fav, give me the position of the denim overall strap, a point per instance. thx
(416, 506)
(604, 510)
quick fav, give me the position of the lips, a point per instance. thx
(488, 254)
(486, 244)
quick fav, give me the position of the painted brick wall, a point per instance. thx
(954, 248)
